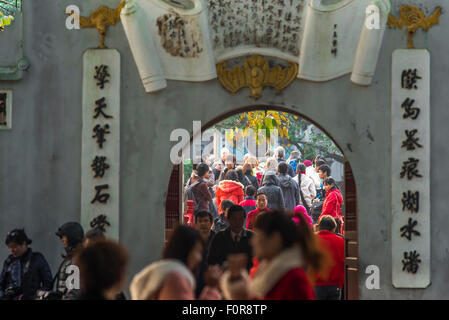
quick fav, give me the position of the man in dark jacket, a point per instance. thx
(290, 188)
(24, 271)
(203, 223)
(232, 240)
(273, 192)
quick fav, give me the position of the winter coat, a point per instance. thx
(200, 281)
(168, 279)
(26, 274)
(229, 190)
(290, 191)
(312, 174)
(253, 181)
(223, 245)
(332, 203)
(202, 195)
(335, 245)
(273, 192)
(281, 278)
(252, 217)
(290, 171)
(307, 188)
(249, 204)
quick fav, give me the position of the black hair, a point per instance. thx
(101, 265)
(291, 234)
(329, 181)
(320, 162)
(202, 169)
(232, 175)
(202, 214)
(181, 243)
(18, 236)
(226, 204)
(261, 193)
(301, 168)
(326, 169)
(250, 191)
(236, 208)
(327, 223)
(282, 167)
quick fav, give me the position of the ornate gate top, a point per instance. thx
(256, 74)
(413, 19)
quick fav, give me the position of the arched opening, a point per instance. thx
(175, 200)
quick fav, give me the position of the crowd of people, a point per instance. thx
(271, 230)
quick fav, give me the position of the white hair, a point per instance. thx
(272, 163)
(279, 152)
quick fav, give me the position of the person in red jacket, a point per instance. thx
(229, 189)
(261, 205)
(284, 251)
(333, 201)
(330, 287)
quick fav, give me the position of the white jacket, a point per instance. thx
(310, 172)
(307, 188)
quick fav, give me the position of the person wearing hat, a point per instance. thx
(72, 236)
(24, 271)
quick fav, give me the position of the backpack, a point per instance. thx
(191, 195)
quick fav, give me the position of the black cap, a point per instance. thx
(73, 231)
(18, 236)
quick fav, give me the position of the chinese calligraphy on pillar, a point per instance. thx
(5, 109)
(410, 168)
(100, 163)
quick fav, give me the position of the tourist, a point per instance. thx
(221, 223)
(333, 201)
(280, 154)
(294, 160)
(248, 172)
(229, 165)
(173, 278)
(324, 171)
(71, 235)
(232, 240)
(203, 223)
(243, 179)
(200, 189)
(289, 187)
(24, 271)
(229, 189)
(249, 204)
(306, 187)
(102, 266)
(270, 187)
(301, 210)
(329, 287)
(261, 206)
(285, 251)
(270, 167)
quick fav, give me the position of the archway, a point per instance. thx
(174, 199)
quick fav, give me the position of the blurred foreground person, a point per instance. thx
(330, 286)
(284, 251)
(102, 266)
(24, 271)
(173, 278)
